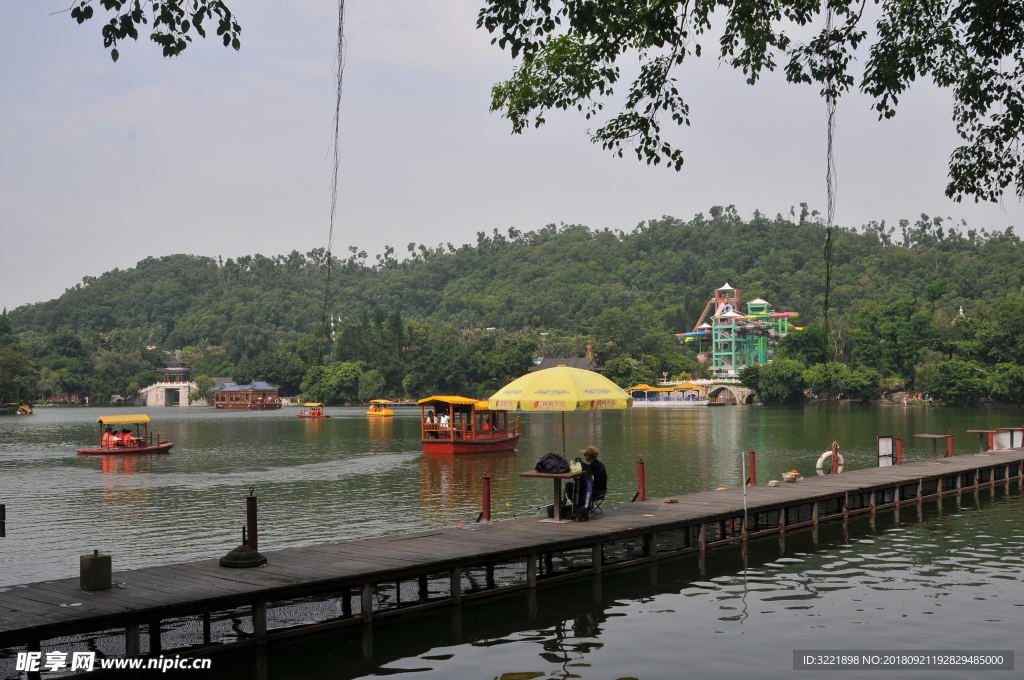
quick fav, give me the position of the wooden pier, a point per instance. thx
(197, 606)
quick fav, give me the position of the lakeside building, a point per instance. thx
(255, 395)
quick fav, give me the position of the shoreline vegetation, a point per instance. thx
(924, 307)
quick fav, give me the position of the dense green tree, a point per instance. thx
(1005, 383)
(749, 376)
(18, 377)
(625, 372)
(861, 384)
(371, 385)
(957, 383)
(335, 383)
(781, 382)
(203, 389)
(280, 368)
(890, 338)
(827, 380)
(806, 346)
(422, 323)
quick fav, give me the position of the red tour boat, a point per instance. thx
(112, 442)
(451, 424)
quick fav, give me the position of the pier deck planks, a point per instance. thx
(34, 611)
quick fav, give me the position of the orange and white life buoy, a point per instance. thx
(820, 467)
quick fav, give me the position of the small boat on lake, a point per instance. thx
(380, 408)
(451, 424)
(312, 409)
(112, 443)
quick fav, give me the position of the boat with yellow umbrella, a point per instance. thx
(313, 410)
(561, 388)
(141, 442)
(380, 408)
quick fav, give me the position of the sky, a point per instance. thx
(227, 153)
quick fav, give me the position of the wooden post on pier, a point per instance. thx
(949, 445)
(751, 468)
(250, 519)
(641, 481)
(899, 451)
(486, 492)
(3, 520)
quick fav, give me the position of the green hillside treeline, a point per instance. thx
(467, 318)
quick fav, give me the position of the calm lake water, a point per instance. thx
(949, 581)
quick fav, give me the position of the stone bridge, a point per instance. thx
(731, 394)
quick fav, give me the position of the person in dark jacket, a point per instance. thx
(597, 471)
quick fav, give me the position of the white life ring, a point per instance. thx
(821, 462)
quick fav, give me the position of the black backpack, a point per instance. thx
(553, 463)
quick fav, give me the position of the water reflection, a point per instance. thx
(448, 483)
(380, 433)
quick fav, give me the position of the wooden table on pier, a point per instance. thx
(558, 477)
(982, 444)
(935, 440)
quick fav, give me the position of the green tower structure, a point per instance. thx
(738, 338)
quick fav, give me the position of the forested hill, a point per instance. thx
(921, 305)
(557, 278)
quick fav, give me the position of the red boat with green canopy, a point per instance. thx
(139, 442)
(471, 426)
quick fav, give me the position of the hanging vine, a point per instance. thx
(339, 65)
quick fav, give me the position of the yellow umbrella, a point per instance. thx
(560, 389)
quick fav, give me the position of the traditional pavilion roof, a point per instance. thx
(256, 386)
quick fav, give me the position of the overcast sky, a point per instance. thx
(226, 153)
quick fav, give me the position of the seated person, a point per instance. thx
(597, 471)
(127, 440)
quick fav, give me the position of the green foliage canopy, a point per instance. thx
(569, 56)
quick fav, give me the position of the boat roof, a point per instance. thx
(381, 401)
(257, 385)
(449, 400)
(124, 419)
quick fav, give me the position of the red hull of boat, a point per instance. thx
(452, 446)
(300, 415)
(162, 447)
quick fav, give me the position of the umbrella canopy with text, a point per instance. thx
(561, 388)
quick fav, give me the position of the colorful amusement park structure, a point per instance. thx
(738, 339)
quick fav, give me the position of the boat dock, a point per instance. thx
(196, 607)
